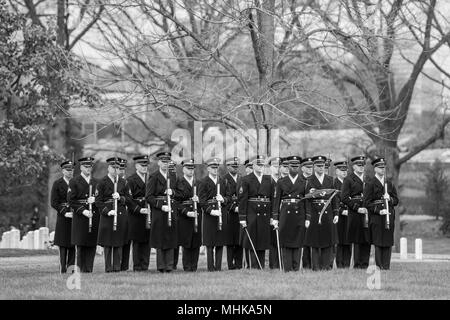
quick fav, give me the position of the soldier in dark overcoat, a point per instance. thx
(63, 229)
(163, 232)
(380, 198)
(290, 211)
(306, 166)
(138, 215)
(255, 210)
(344, 248)
(189, 219)
(214, 217)
(112, 193)
(84, 209)
(324, 214)
(358, 218)
(234, 248)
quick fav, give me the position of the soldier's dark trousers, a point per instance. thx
(125, 263)
(190, 258)
(291, 259)
(320, 258)
(333, 256)
(261, 256)
(247, 258)
(164, 260)
(141, 256)
(306, 258)
(214, 259)
(113, 258)
(361, 255)
(176, 255)
(234, 257)
(273, 257)
(383, 257)
(343, 255)
(85, 258)
(66, 258)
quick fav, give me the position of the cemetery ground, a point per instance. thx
(33, 274)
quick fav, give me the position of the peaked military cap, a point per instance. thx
(379, 162)
(234, 162)
(113, 161)
(86, 161)
(341, 165)
(143, 159)
(358, 160)
(164, 156)
(213, 162)
(189, 163)
(306, 161)
(319, 159)
(68, 164)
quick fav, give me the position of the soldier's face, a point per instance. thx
(68, 174)
(293, 170)
(274, 169)
(358, 168)
(232, 169)
(380, 171)
(307, 170)
(163, 165)
(248, 170)
(86, 170)
(213, 170)
(257, 168)
(341, 173)
(112, 171)
(141, 169)
(284, 170)
(188, 172)
(319, 168)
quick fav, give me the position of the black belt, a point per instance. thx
(139, 199)
(292, 200)
(321, 201)
(378, 202)
(81, 201)
(187, 202)
(259, 199)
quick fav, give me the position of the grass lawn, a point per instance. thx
(37, 277)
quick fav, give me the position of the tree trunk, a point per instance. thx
(57, 134)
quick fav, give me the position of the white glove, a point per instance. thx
(144, 211)
(275, 224)
(91, 200)
(335, 219)
(69, 214)
(191, 214)
(168, 192)
(344, 212)
(116, 195)
(362, 210)
(111, 213)
(87, 213)
(243, 223)
(307, 224)
(386, 197)
(383, 212)
(219, 198)
(165, 208)
(195, 198)
(236, 209)
(312, 190)
(216, 213)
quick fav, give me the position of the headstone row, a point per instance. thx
(37, 239)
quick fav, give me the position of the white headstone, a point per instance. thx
(30, 240)
(15, 239)
(51, 236)
(36, 242)
(403, 248)
(43, 237)
(419, 249)
(6, 239)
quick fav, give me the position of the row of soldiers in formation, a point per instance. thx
(299, 213)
